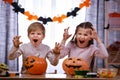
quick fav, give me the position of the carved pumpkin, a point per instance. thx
(35, 65)
(3, 67)
(4, 70)
(71, 64)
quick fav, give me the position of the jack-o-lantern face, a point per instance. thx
(35, 65)
(71, 64)
(3, 67)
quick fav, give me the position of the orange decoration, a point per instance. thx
(30, 17)
(114, 14)
(27, 13)
(59, 19)
(81, 6)
(35, 65)
(35, 17)
(71, 64)
(9, 1)
(85, 3)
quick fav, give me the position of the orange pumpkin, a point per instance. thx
(35, 65)
(71, 64)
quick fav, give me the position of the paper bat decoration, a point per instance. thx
(45, 20)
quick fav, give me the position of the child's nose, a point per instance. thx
(82, 36)
(35, 35)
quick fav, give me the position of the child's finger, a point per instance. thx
(66, 30)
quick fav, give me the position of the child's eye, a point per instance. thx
(32, 33)
(79, 33)
(39, 33)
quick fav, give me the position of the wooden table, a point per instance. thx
(51, 77)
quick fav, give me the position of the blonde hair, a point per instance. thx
(35, 26)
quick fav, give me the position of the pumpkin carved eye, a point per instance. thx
(35, 65)
(71, 64)
(32, 61)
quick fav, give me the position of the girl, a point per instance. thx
(81, 45)
(36, 33)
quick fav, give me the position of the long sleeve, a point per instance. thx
(65, 50)
(53, 58)
(13, 53)
(101, 51)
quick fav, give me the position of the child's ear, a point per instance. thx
(43, 36)
(28, 36)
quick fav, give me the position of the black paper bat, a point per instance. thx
(17, 8)
(74, 12)
(45, 20)
(107, 26)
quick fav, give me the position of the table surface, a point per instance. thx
(51, 77)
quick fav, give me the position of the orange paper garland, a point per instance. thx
(60, 19)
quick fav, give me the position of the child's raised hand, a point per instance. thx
(57, 48)
(66, 34)
(95, 36)
(16, 41)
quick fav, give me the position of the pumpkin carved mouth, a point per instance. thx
(27, 67)
(72, 66)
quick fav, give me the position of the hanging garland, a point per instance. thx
(17, 8)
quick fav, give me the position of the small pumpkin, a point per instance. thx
(3, 67)
(71, 64)
(4, 70)
(35, 65)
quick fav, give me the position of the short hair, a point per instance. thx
(35, 26)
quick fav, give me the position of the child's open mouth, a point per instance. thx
(35, 40)
(82, 42)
